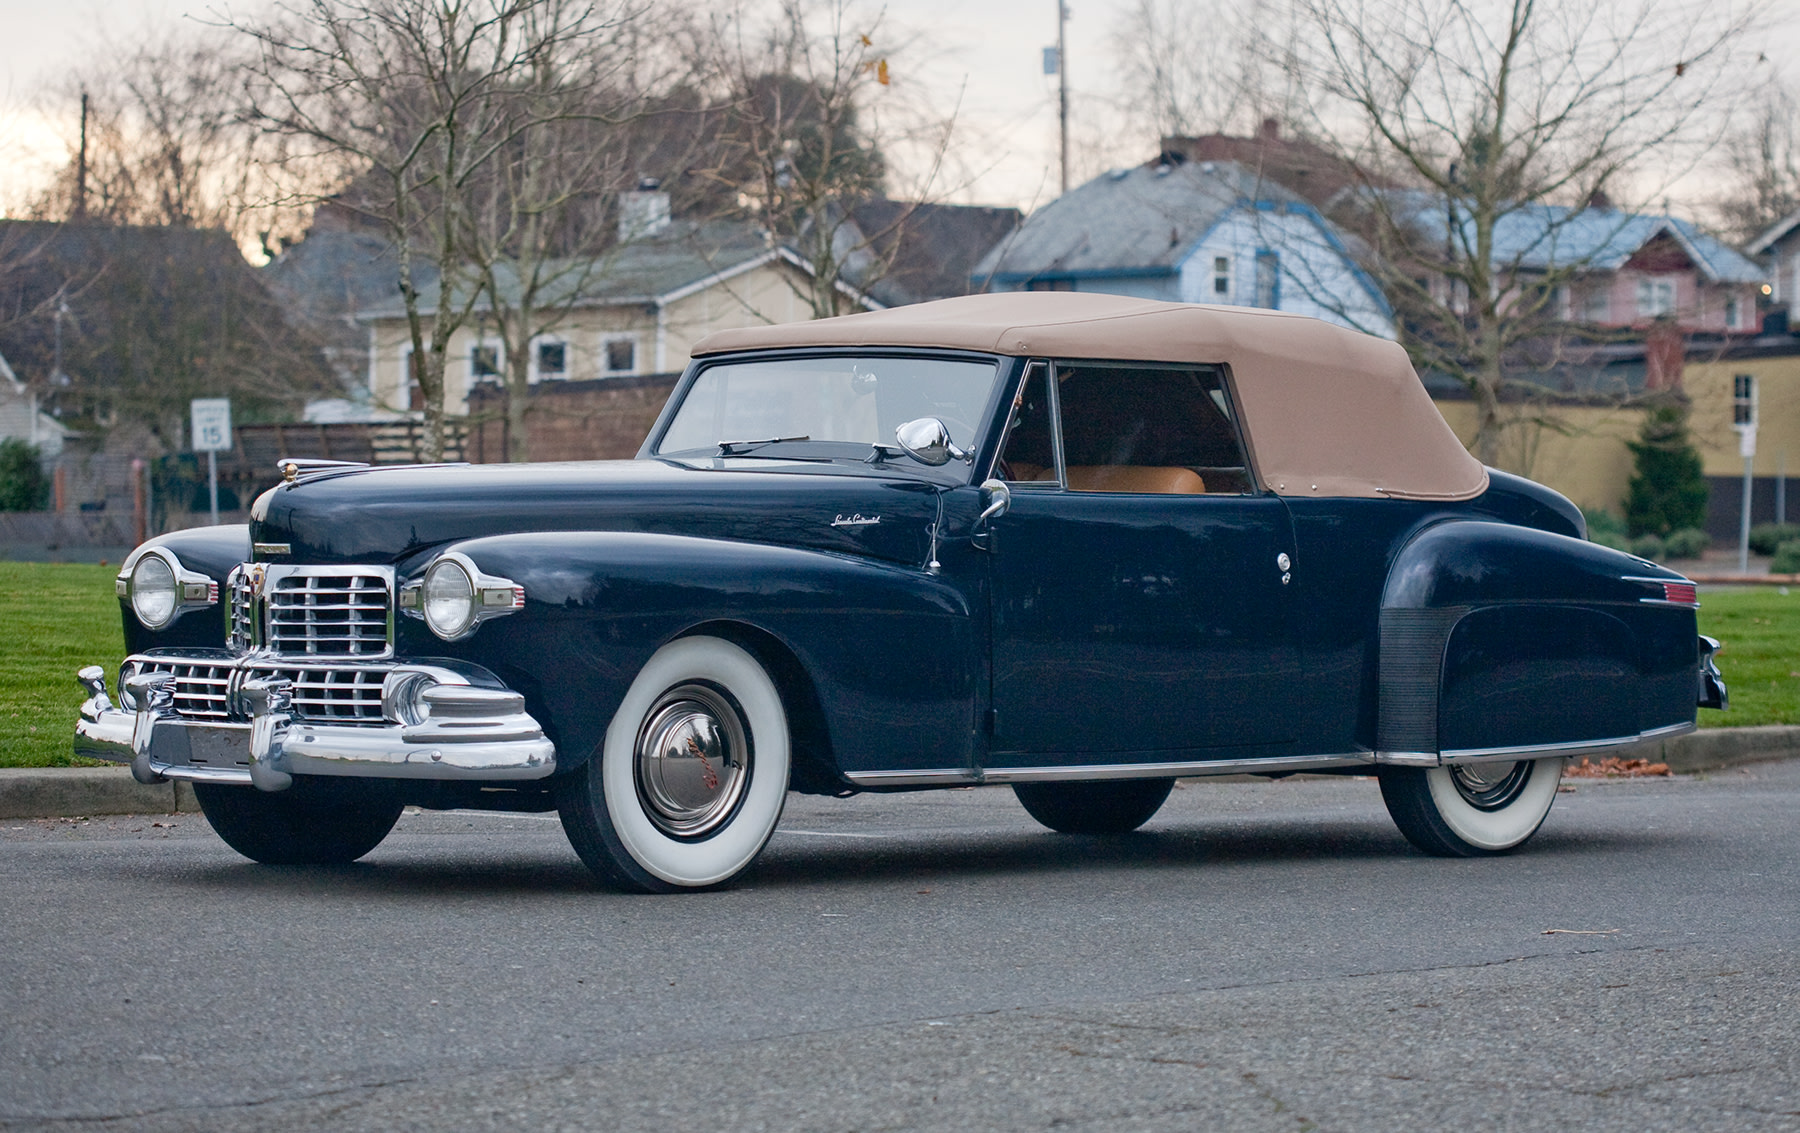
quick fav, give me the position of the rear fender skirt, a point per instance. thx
(1499, 638)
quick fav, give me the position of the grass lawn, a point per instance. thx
(1760, 627)
(67, 617)
(63, 616)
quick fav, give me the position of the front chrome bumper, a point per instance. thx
(469, 732)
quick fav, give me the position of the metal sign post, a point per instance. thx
(212, 434)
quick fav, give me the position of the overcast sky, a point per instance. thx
(992, 46)
(989, 51)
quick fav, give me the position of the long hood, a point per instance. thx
(390, 514)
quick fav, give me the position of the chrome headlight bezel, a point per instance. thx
(188, 589)
(488, 596)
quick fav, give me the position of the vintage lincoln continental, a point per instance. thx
(1077, 544)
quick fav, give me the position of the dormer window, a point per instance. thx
(1222, 279)
(1655, 297)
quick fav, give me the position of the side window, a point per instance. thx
(1157, 429)
(1028, 454)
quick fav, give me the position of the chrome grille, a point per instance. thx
(344, 696)
(202, 692)
(328, 612)
(322, 694)
(240, 615)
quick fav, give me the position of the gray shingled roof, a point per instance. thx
(634, 272)
(1139, 221)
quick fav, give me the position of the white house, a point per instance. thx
(1192, 232)
(21, 418)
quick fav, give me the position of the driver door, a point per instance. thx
(1142, 585)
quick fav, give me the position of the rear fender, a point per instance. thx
(1496, 638)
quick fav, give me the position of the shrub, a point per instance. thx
(1787, 558)
(1647, 547)
(1687, 543)
(1605, 528)
(23, 485)
(1668, 487)
(1765, 537)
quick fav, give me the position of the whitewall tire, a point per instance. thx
(1471, 809)
(688, 784)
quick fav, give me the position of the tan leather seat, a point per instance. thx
(1143, 478)
(1022, 471)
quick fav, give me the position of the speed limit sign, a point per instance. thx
(212, 424)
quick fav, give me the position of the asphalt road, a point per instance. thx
(1262, 956)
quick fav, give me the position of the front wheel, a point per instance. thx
(1111, 806)
(317, 821)
(1469, 809)
(689, 782)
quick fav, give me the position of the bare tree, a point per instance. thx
(812, 105)
(1493, 110)
(409, 102)
(1189, 67)
(538, 228)
(1762, 155)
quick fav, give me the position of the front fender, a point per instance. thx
(214, 552)
(890, 652)
(1496, 636)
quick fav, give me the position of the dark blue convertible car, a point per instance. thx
(1078, 544)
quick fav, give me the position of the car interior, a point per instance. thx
(1155, 430)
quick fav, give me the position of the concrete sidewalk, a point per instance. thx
(65, 792)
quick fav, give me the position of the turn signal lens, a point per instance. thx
(153, 592)
(448, 599)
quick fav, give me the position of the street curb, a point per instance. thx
(67, 792)
(70, 792)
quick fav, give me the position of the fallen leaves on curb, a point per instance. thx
(1613, 767)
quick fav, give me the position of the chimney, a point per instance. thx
(1271, 129)
(644, 211)
(1665, 353)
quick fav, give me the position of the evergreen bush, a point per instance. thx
(1605, 528)
(1787, 558)
(1765, 537)
(1687, 543)
(23, 485)
(1648, 547)
(1668, 488)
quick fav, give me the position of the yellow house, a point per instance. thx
(635, 310)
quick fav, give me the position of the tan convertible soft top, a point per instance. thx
(1328, 411)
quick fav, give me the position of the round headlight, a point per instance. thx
(448, 599)
(153, 592)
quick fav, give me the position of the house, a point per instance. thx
(1779, 250)
(631, 311)
(1308, 169)
(21, 419)
(1192, 232)
(917, 252)
(1615, 270)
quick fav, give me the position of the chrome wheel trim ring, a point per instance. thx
(691, 763)
(1490, 786)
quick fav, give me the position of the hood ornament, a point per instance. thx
(857, 520)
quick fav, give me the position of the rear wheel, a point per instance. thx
(689, 782)
(1470, 809)
(317, 821)
(1110, 806)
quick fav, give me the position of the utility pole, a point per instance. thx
(80, 211)
(1062, 85)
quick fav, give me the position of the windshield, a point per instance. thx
(858, 400)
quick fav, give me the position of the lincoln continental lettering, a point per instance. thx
(1080, 545)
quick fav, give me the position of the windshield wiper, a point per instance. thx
(738, 448)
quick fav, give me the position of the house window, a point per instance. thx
(1743, 400)
(484, 362)
(1733, 312)
(1597, 307)
(411, 396)
(1268, 280)
(1655, 297)
(1050, 285)
(619, 355)
(1222, 278)
(552, 361)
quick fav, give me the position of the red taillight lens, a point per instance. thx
(1683, 592)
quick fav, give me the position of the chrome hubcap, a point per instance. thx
(693, 761)
(1490, 786)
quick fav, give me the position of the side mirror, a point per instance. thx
(927, 440)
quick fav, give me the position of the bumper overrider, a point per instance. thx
(439, 721)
